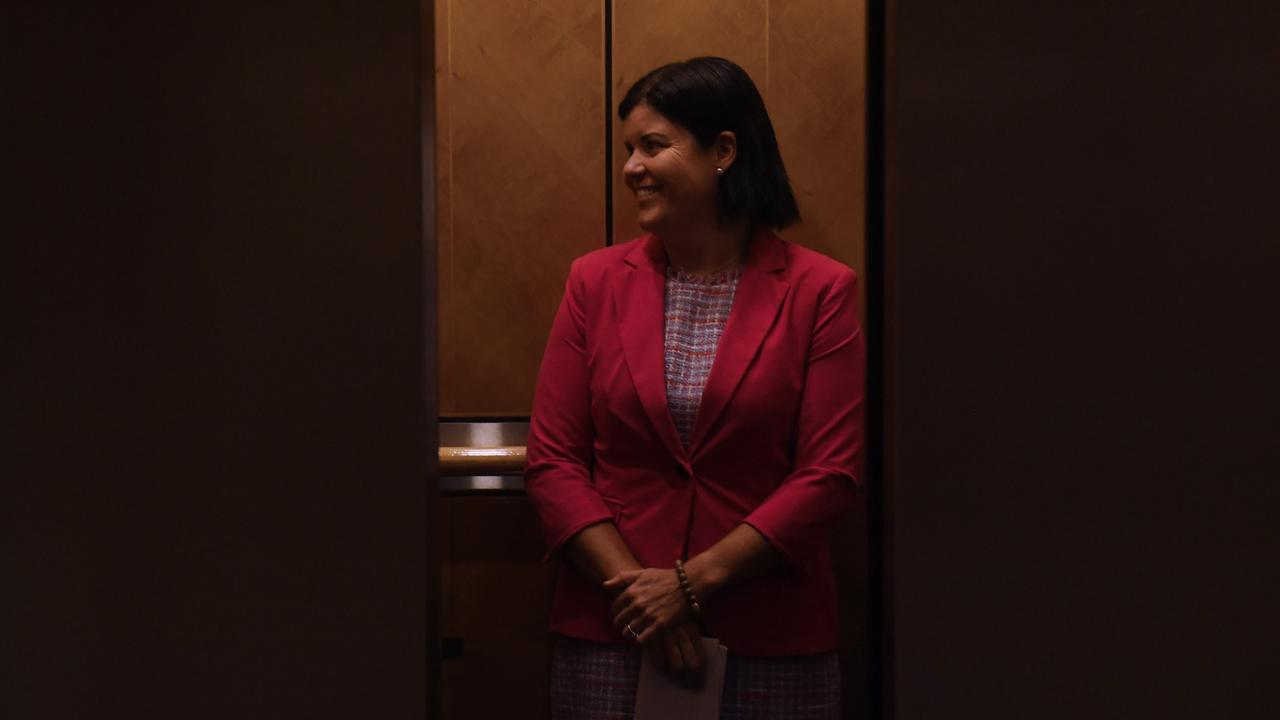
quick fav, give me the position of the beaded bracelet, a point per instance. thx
(688, 589)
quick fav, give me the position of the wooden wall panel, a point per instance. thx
(496, 598)
(816, 91)
(649, 33)
(521, 191)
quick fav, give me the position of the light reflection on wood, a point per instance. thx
(481, 461)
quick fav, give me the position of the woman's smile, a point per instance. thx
(646, 192)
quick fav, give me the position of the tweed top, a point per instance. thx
(697, 307)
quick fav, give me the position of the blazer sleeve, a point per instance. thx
(559, 454)
(830, 433)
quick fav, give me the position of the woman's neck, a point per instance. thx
(707, 250)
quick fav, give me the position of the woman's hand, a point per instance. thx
(648, 601)
(679, 651)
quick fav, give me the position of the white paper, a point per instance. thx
(660, 696)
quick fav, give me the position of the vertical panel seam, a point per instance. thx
(608, 122)
(453, 250)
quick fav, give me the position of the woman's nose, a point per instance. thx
(632, 167)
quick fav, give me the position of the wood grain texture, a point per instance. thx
(481, 461)
(816, 96)
(521, 102)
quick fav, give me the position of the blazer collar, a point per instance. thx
(638, 301)
(766, 252)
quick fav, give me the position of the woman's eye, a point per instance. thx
(649, 147)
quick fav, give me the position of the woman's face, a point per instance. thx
(673, 178)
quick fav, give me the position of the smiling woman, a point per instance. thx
(698, 420)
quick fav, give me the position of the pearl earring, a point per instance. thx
(719, 171)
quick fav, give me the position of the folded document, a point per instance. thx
(660, 696)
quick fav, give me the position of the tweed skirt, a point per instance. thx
(597, 681)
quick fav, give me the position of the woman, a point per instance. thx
(698, 420)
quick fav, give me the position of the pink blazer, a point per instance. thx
(778, 440)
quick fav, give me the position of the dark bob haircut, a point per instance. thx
(706, 96)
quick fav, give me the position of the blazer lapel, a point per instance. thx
(638, 301)
(761, 291)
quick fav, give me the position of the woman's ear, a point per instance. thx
(726, 149)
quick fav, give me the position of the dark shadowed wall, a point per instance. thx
(1079, 231)
(217, 457)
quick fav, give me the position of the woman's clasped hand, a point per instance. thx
(650, 606)
(647, 601)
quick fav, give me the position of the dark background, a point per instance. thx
(221, 398)
(1080, 317)
(216, 469)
